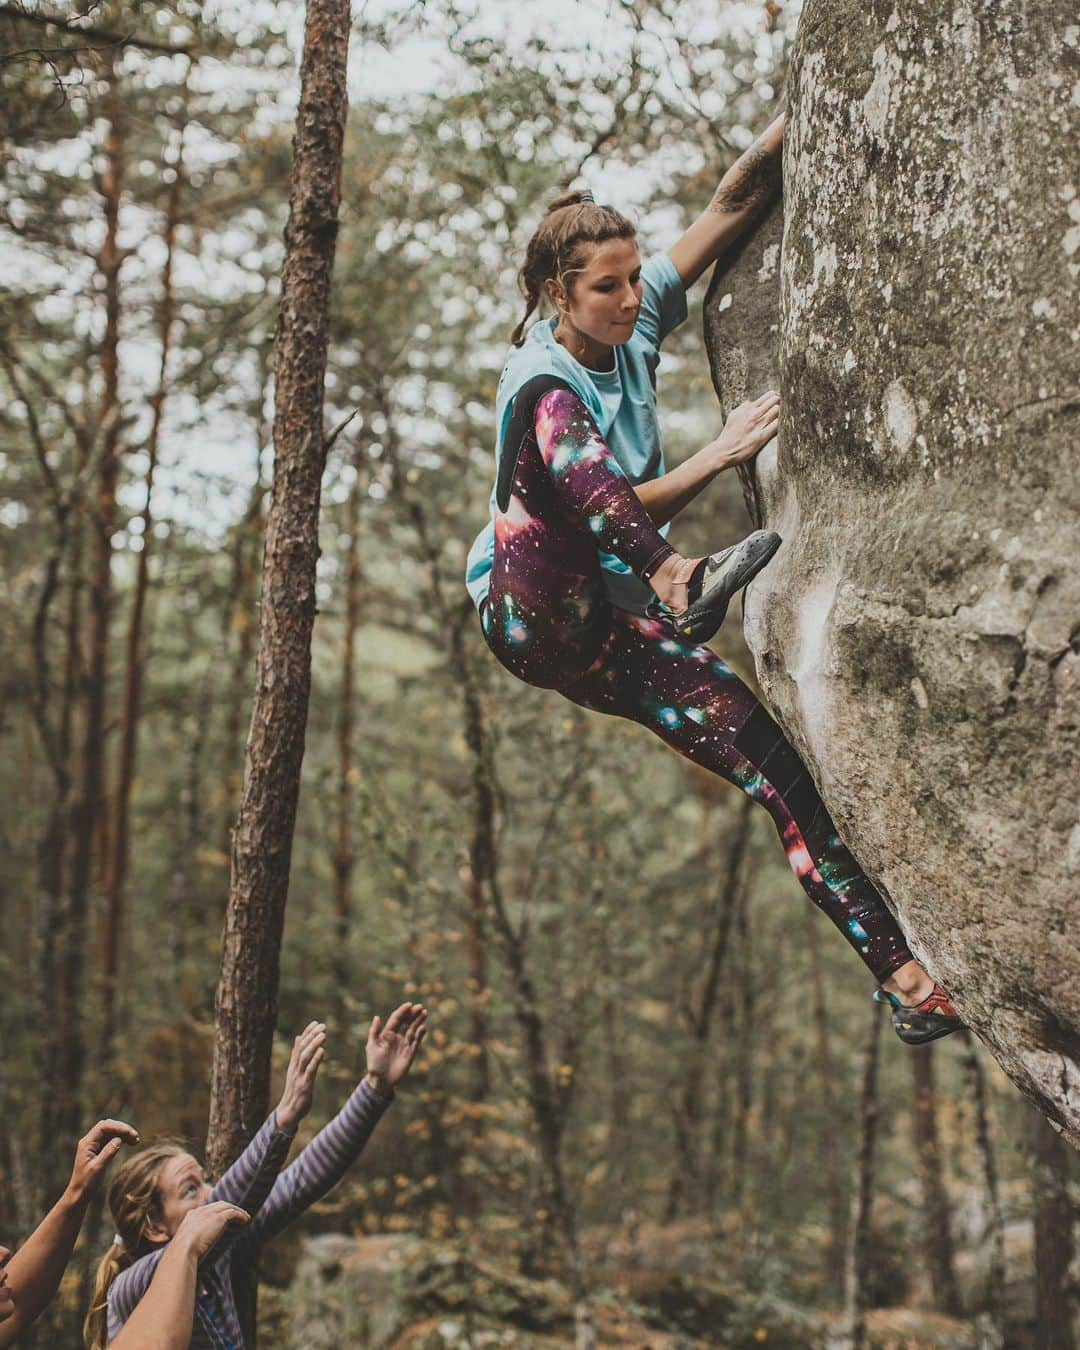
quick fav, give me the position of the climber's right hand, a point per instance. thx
(200, 1228)
(748, 427)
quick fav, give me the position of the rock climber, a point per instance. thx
(576, 584)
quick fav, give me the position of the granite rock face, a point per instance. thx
(918, 634)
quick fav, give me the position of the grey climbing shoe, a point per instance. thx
(713, 582)
(927, 1021)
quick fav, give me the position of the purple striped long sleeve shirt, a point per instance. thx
(273, 1201)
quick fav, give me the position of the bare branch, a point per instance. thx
(328, 444)
(40, 449)
(98, 34)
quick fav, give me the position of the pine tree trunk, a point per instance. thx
(188, 835)
(478, 983)
(991, 1322)
(834, 1261)
(64, 1106)
(543, 1095)
(936, 1229)
(51, 850)
(620, 1096)
(853, 1336)
(482, 875)
(117, 866)
(1055, 1295)
(246, 1003)
(743, 1058)
(686, 1178)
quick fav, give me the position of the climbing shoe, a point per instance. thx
(712, 583)
(927, 1021)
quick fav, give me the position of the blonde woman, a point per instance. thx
(152, 1195)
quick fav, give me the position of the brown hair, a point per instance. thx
(134, 1202)
(555, 250)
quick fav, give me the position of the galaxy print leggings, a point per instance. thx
(548, 621)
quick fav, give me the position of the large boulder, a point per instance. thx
(918, 634)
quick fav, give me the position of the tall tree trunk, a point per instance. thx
(620, 1094)
(991, 1322)
(482, 866)
(343, 851)
(51, 866)
(698, 1014)
(1055, 1296)
(63, 1109)
(834, 1191)
(745, 997)
(482, 859)
(936, 1229)
(51, 849)
(185, 849)
(858, 1244)
(544, 1098)
(117, 865)
(246, 1002)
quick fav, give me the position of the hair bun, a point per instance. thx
(579, 198)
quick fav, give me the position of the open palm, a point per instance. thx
(392, 1048)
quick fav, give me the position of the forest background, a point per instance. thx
(694, 1070)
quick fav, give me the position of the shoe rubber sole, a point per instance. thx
(726, 574)
(916, 1028)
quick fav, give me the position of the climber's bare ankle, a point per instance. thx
(669, 591)
(910, 983)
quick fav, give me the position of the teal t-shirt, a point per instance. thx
(622, 403)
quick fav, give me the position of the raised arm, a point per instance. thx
(33, 1274)
(315, 1171)
(165, 1314)
(752, 180)
(249, 1179)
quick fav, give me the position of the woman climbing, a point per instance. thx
(151, 1194)
(578, 589)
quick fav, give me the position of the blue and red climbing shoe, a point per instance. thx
(927, 1021)
(712, 583)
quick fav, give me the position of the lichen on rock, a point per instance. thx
(919, 632)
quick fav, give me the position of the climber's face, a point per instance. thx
(602, 299)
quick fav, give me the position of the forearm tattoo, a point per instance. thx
(753, 178)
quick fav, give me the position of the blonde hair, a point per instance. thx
(555, 250)
(134, 1203)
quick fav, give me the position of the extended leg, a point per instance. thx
(694, 702)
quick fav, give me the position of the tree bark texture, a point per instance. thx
(246, 1000)
(918, 633)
